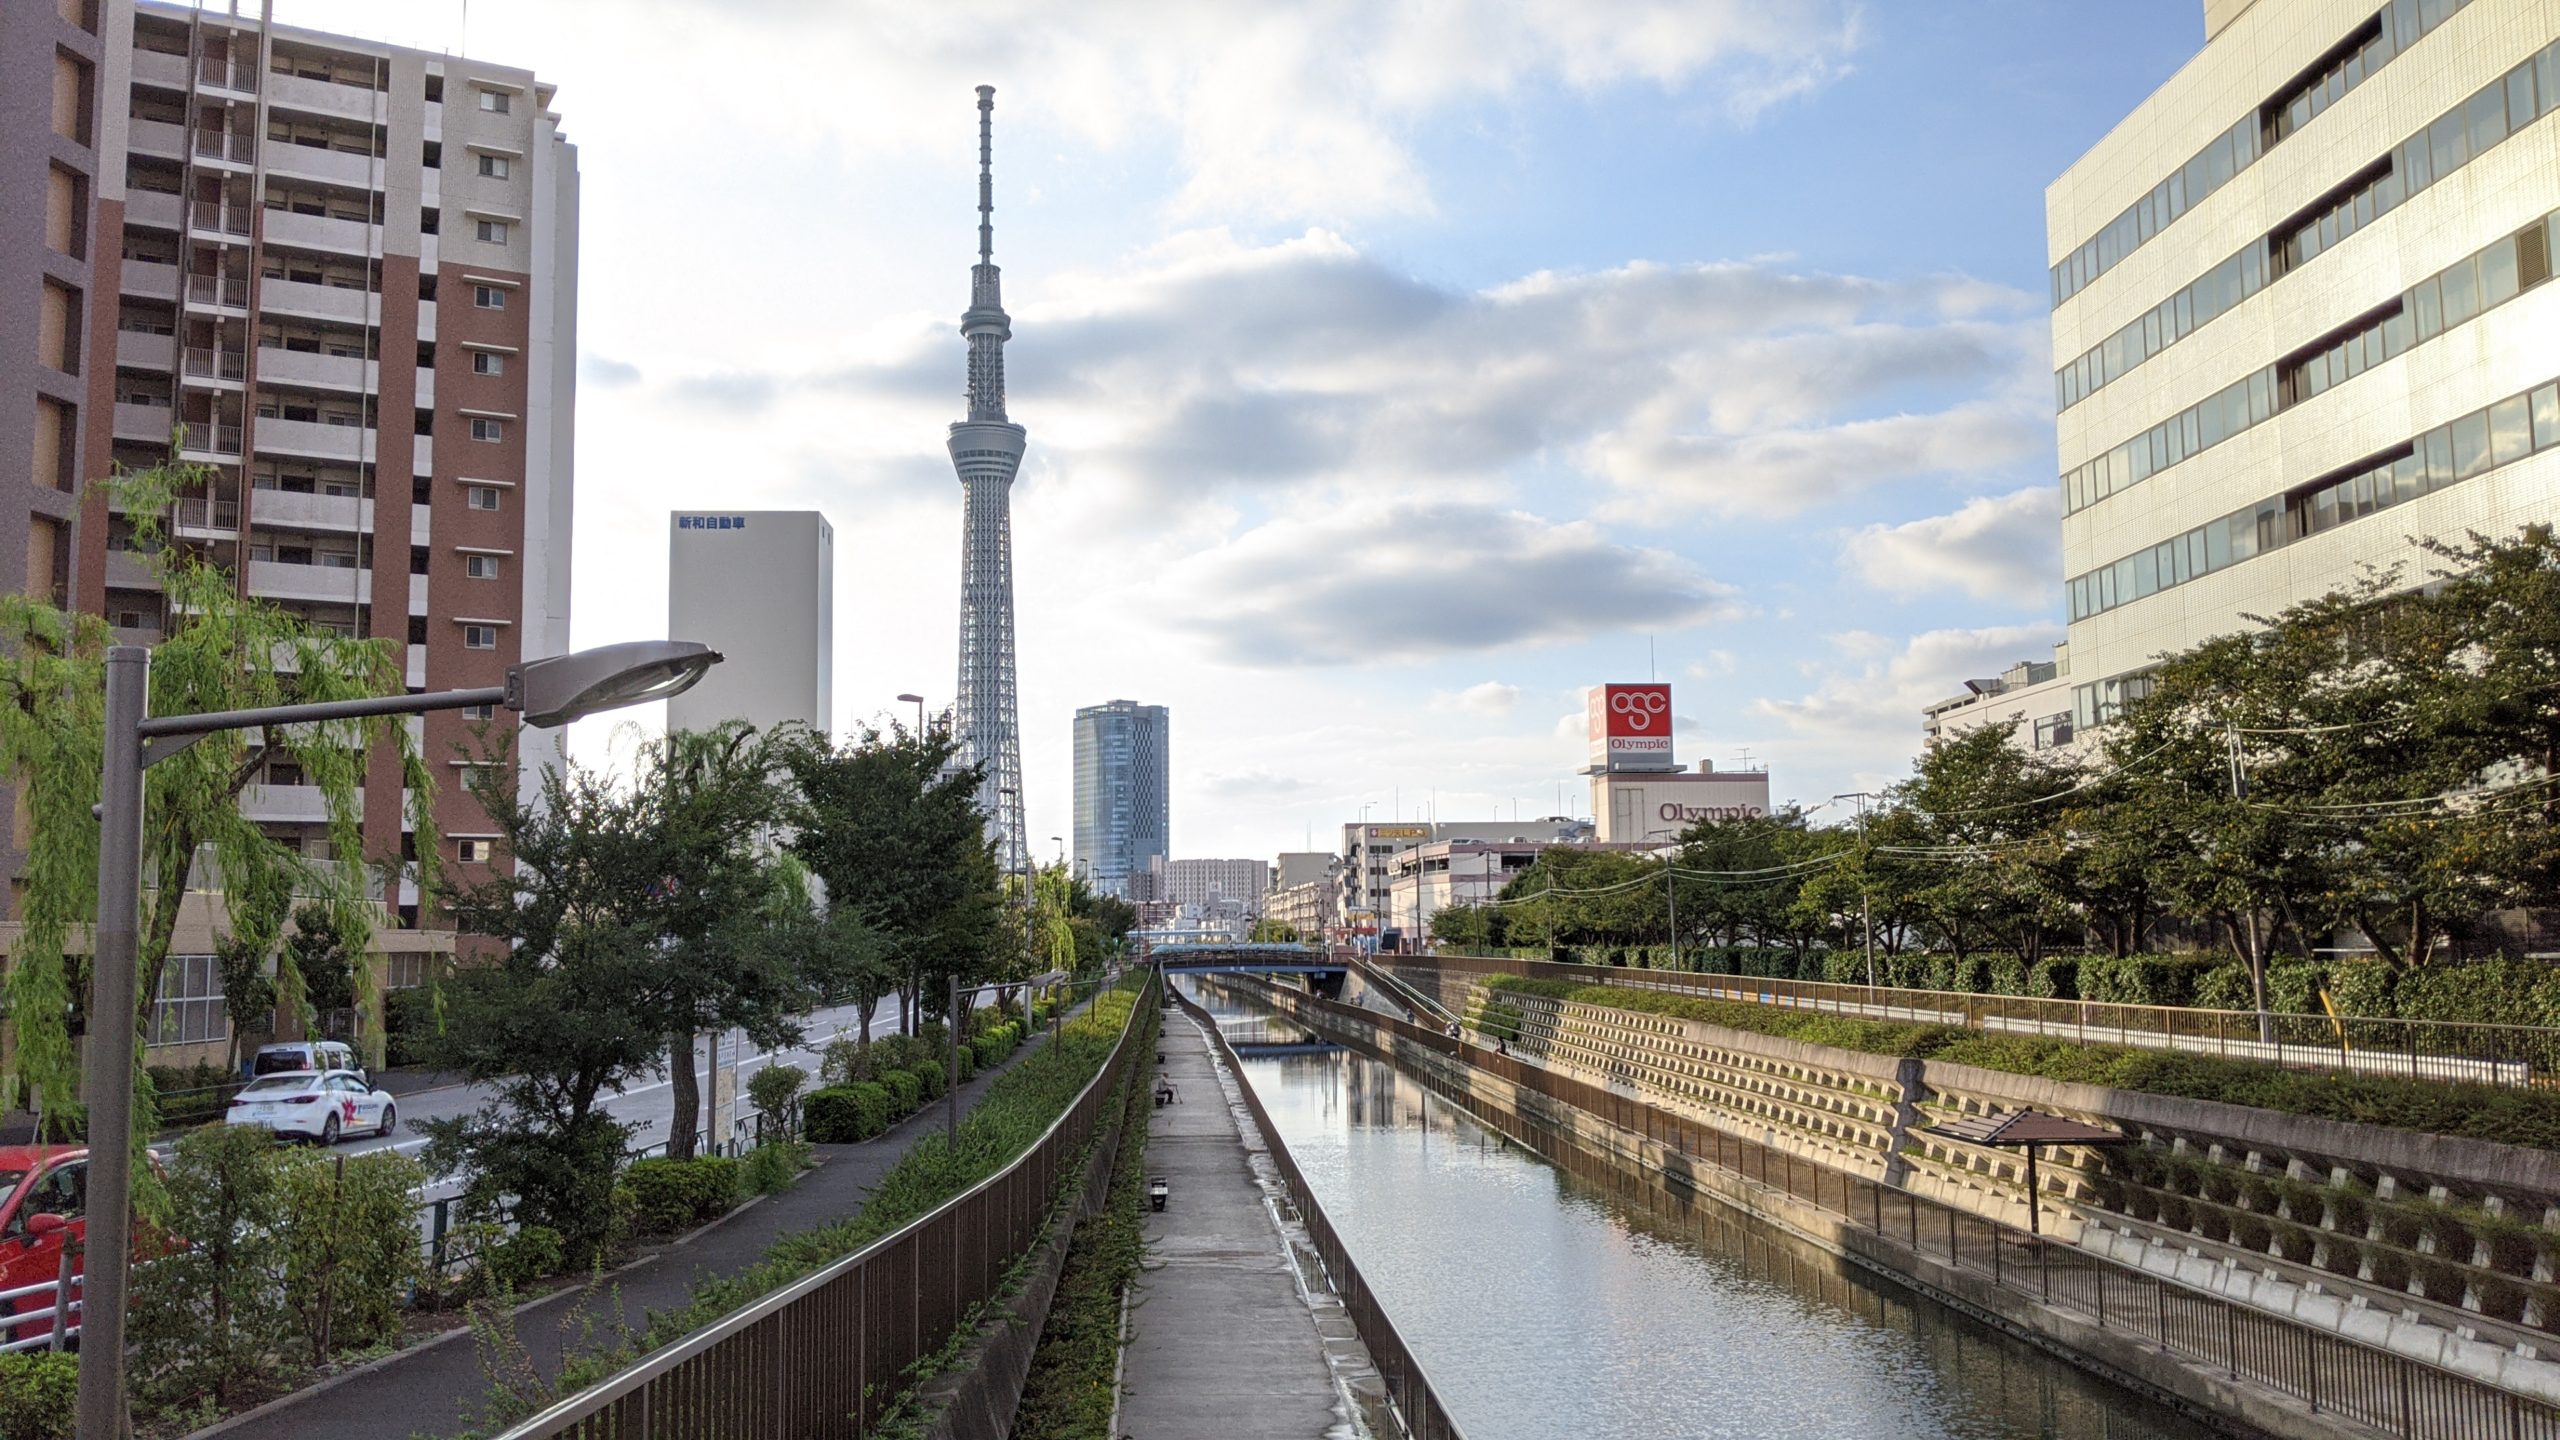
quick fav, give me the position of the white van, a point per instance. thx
(287, 1057)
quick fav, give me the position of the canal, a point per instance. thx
(1541, 1308)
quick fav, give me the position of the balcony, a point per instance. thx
(148, 424)
(127, 570)
(204, 517)
(238, 147)
(212, 217)
(299, 511)
(277, 365)
(329, 584)
(313, 439)
(324, 97)
(162, 138)
(285, 804)
(311, 162)
(320, 302)
(237, 75)
(204, 363)
(319, 232)
(222, 291)
(153, 209)
(141, 350)
(203, 438)
(149, 280)
(159, 70)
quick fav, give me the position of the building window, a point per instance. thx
(488, 297)
(495, 101)
(493, 232)
(188, 1008)
(483, 428)
(480, 497)
(475, 852)
(480, 567)
(488, 362)
(417, 629)
(480, 712)
(479, 637)
(494, 166)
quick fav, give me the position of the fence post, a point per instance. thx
(436, 1238)
(61, 1297)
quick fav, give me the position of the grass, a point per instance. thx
(1069, 1392)
(2472, 1112)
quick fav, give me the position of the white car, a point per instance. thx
(315, 1107)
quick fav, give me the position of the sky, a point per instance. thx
(1392, 371)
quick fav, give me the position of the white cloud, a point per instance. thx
(1995, 547)
(1862, 723)
(1489, 698)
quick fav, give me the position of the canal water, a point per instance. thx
(1541, 1308)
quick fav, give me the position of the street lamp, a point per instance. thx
(1866, 921)
(548, 692)
(918, 702)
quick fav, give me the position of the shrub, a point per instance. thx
(350, 1247)
(2360, 987)
(773, 1166)
(672, 1195)
(192, 1094)
(906, 1092)
(843, 1114)
(206, 1318)
(989, 1050)
(409, 1022)
(968, 1064)
(775, 1090)
(39, 1395)
(532, 1253)
(2225, 987)
(931, 1080)
(2055, 977)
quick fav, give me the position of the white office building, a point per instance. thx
(759, 587)
(2303, 321)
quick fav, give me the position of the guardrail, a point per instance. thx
(1416, 1404)
(2331, 1374)
(825, 1355)
(60, 1320)
(2513, 1055)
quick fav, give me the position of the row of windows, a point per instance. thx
(2105, 699)
(2457, 137)
(2355, 205)
(2506, 268)
(187, 1008)
(2398, 26)
(2449, 454)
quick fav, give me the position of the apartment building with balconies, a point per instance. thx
(2303, 324)
(343, 277)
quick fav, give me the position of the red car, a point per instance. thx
(47, 1191)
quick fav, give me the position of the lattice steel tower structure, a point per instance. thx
(986, 449)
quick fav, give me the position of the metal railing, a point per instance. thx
(825, 1355)
(1417, 1405)
(2514, 1055)
(218, 290)
(217, 364)
(211, 439)
(60, 1321)
(2333, 1375)
(227, 72)
(232, 145)
(214, 215)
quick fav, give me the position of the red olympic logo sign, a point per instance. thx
(1639, 707)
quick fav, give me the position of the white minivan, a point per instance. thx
(289, 1056)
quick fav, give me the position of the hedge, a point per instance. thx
(906, 1092)
(672, 1195)
(39, 1395)
(931, 1079)
(843, 1114)
(2473, 1112)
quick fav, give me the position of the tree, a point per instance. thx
(889, 822)
(1273, 932)
(320, 956)
(221, 651)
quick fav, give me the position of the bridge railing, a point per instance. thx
(826, 1355)
(1417, 1405)
(2418, 1049)
(2390, 1392)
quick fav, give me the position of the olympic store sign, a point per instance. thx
(1631, 727)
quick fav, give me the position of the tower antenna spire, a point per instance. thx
(986, 174)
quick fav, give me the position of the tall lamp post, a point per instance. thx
(547, 693)
(918, 702)
(1866, 921)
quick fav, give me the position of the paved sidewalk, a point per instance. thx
(1222, 1340)
(435, 1391)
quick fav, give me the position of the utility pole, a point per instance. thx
(951, 1092)
(1866, 918)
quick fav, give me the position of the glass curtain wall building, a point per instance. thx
(1124, 813)
(2342, 344)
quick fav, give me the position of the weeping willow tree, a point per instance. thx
(222, 651)
(1053, 909)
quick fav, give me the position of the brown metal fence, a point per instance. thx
(1408, 1389)
(2389, 1392)
(2422, 1049)
(824, 1356)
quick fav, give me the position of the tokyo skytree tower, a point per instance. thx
(986, 449)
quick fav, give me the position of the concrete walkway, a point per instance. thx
(1222, 1340)
(438, 1389)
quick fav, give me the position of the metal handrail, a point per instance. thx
(2480, 1052)
(566, 1415)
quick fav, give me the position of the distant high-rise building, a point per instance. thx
(986, 449)
(1124, 812)
(1200, 883)
(759, 587)
(2302, 326)
(343, 275)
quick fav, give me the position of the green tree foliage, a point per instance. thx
(208, 1317)
(221, 651)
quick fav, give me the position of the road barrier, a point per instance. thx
(2419, 1049)
(2332, 1375)
(825, 1355)
(1408, 1389)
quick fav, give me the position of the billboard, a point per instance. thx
(1631, 727)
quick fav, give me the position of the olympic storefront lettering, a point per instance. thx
(1690, 814)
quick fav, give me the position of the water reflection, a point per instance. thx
(1542, 1306)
